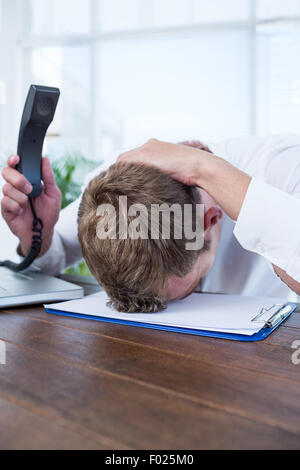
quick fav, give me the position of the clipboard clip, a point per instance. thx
(282, 311)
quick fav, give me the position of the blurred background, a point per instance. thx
(134, 69)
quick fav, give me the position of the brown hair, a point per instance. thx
(134, 272)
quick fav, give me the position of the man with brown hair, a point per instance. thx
(253, 250)
(138, 272)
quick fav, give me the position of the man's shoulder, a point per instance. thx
(242, 150)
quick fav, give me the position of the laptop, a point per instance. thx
(33, 287)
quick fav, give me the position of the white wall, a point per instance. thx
(10, 69)
(10, 75)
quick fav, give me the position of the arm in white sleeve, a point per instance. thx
(54, 260)
(269, 224)
(65, 248)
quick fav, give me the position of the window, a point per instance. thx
(277, 8)
(134, 69)
(218, 11)
(2, 83)
(69, 69)
(171, 89)
(1, 16)
(279, 80)
(116, 15)
(59, 17)
(2, 86)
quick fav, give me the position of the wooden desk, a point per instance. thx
(79, 384)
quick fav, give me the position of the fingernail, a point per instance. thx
(28, 188)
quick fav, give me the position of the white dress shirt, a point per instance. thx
(267, 230)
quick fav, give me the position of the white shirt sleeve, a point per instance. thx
(269, 221)
(269, 224)
(65, 249)
(54, 261)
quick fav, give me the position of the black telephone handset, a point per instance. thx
(37, 116)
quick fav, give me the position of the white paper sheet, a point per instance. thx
(212, 312)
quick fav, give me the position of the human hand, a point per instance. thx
(181, 161)
(16, 209)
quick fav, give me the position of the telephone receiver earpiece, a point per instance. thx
(37, 116)
(39, 111)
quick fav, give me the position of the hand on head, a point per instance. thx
(15, 204)
(181, 161)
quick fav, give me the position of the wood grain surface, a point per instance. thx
(78, 384)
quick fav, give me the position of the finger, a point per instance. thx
(122, 157)
(48, 175)
(196, 144)
(8, 205)
(13, 161)
(131, 155)
(16, 179)
(17, 196)
(192, 143)
(125, 155)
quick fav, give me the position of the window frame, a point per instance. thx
(96, 38)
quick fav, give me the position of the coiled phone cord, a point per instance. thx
(37, 229)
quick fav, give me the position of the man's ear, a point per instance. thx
(212, 217)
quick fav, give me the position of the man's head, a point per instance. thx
(142, 271)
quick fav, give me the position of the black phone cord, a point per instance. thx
(37, 229)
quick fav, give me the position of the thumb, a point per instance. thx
(48, 176)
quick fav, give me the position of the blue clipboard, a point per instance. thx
(265, 331)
